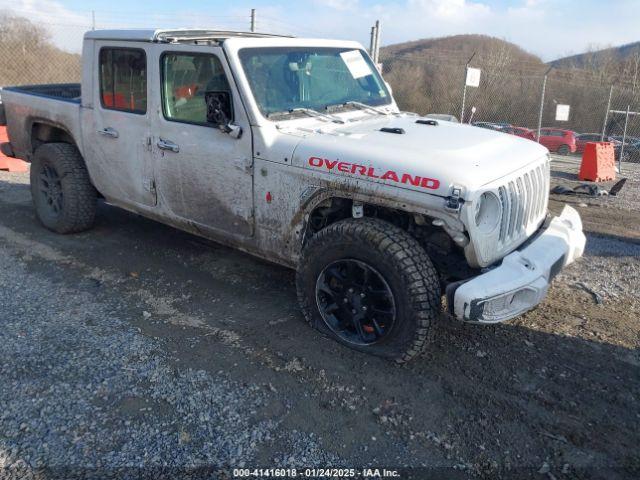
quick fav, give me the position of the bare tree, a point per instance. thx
(27, 54)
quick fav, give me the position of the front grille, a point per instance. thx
(524, 203)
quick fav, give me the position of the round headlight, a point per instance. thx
(487, 212)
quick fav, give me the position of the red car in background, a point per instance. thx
(558, 140)
(584, 138)
(522, 132)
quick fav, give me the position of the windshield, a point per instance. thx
(284, 79)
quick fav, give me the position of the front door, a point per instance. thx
(203, 175)
(119, 134)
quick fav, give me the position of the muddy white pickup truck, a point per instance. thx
(295, 151)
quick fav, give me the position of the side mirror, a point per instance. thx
(219, 112)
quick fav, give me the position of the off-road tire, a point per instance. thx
(563, 150)
(79, 196)
(403, 263)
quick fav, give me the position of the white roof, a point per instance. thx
(186, 34)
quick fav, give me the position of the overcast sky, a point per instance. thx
(548, 28)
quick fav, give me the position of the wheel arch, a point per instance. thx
(44, 131)
(47, 131)
(340, 202)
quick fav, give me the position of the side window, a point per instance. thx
(123, 79)
(186, 80)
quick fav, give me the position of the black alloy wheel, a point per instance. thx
(355, 302)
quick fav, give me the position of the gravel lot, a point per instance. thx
(138, 350)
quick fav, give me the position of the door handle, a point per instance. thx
(109, 132)
(168, 145)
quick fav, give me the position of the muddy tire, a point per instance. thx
(62, 193)
(370, 286)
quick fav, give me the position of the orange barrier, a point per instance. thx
(8, 163)
(598, 162)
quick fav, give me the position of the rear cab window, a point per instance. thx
(123, 79)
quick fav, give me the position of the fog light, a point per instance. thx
(508, 305)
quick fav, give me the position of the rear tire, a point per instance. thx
(401, 279)
(563, 150)
(62, 193)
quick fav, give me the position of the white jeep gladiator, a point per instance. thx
(295, 151)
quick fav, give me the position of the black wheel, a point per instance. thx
(63, 196)
(563, 150)
(370, 286)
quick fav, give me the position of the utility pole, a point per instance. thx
(376, 43)
(464, 88)
(606, 115)
(544, 90)
(253, 19)
(372, 42)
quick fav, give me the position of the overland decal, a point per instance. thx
(371, 172)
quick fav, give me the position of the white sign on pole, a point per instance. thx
(562, 113)
(473, 77)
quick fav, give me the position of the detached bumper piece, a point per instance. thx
(522, 280)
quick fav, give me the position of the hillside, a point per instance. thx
(600, 58)
(27, 54)
(427, 75)
(459, 48)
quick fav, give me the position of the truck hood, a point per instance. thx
(426, 157)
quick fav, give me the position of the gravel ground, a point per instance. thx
(82, 387)
(137, 350)
(565, 172)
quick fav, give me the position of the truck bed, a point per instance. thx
(28, 107)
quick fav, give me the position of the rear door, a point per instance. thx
(118, 139)
(203, 174)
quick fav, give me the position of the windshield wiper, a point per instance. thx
(310, 112)
(360, 105)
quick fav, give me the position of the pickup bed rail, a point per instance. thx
(69, 92)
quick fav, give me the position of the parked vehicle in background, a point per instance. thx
(627, 140)
(583, 138)
(295, 151)
(443, 116)
(499, 127)
(631, 152)
(521, 132)
(558, 140)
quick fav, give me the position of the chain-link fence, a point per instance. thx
(519, 94)
(33, 52)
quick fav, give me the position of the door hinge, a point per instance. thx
(245, 164)
(454, 202)
(150, 185)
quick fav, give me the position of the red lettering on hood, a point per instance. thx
(372, 172)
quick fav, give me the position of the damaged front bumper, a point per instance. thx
(523, 278)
